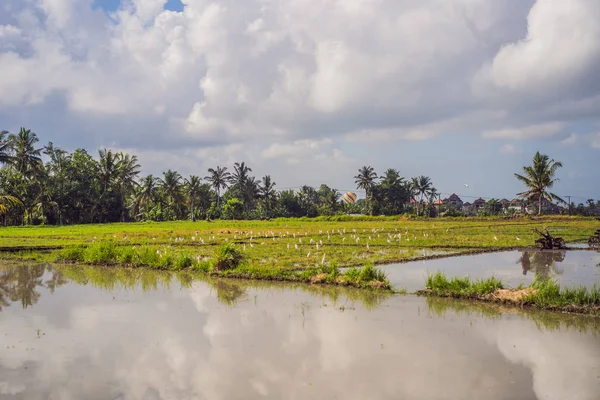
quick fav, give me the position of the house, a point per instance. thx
(548, 207)
(467, 208)
(479, 204)
(504, 203)
(516, 206)
(454, 200)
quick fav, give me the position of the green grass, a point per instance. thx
(547, 293)
(438, 283)
(292, 243)
(229, 262)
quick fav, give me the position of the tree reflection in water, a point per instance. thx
(542, 263)
(21, 283)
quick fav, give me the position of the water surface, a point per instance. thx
(569, 268)
(91, 333)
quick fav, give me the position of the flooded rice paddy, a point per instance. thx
(570, 268)
(90, 333)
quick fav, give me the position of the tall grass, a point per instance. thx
(440, 284)
(545, 293)
(228, 257)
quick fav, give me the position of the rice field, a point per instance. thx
(301, 243)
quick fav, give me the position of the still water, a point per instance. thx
(91, 333)
(570, 268)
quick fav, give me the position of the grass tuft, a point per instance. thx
(228, 257)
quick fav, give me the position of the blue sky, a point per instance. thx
(112, 5)
(464, 92)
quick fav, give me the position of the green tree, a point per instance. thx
(365, 180)
(171, 187)
(233, 209)
(538, 178)
(219, 179)
(420, 186)
(145, 196)
(268, 194)
(26, 158)
(5, 148)
(193, 189)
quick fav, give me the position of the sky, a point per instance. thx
(462, 91)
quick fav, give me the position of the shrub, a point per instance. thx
(74, 254)
(184, 261)
(228, 257)
(101, 253)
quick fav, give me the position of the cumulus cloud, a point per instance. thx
(595, 142)
(560, 50)
(528, 132)
(270, 75)
(508, 148)
(569, 140)
(280, 345)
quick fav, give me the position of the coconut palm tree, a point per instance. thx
(108, 163)
(26, 158)
(171, 186)
(267, 192)
(420, 186)
(193, 188)
(127, 170)
(6, 201)
(538, 178)
(242, 185)
(146, 194)
(365, 180)
(240, 175)
(219, 179)
(5, 148)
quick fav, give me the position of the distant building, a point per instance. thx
(479, 204)
(516, 206)
(454, 200)
(467, 208)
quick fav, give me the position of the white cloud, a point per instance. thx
(269, 75)
(569, 140)
(293, 344)
(528, 132)
(508, 149)
(561, 47)
(595, 142)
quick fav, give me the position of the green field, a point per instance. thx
(301, 243)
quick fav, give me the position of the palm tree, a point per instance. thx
(365, 180)
(127, 170)
(539, 178)
(243, 186)
(267, 192)
(108, 163)
(146, 193)
(193, 187)
(171, 185)
(240, 175)
(7, 201)
(219, 179)
(5, 148)
(420, 187)
(26, 158)
(391, 177)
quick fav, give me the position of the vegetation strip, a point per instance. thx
(542, 293)
(229, 262)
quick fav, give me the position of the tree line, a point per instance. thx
(48, 185)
